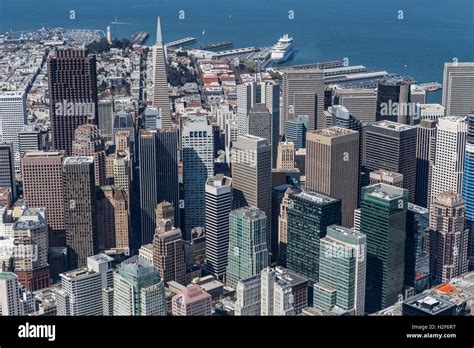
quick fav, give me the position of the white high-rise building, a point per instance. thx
(198, 166)
(13, 117)
(276, 294)
(248, 297)
(81, 293)
(10, 294)
(81, 290)
(246, 98)
(160, 83)
(458, 88)
(218, 207)
(447, 171)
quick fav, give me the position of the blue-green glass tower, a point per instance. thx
(383, 221)
(248, 250)
(468, 187)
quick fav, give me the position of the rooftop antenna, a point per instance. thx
(159, 37)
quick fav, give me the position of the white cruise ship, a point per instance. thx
(283, 49)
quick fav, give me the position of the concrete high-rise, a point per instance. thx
(425, 157)
(160, 83)
(448, 237)
(383, 221)
(30, 235)
(259, 122)
(198, 166)
(106, 117)
(73, 100)
(10, 295)
(43, 187)
(270, 96)
(158, 176)
(218, 208)
(447, 170)
(361, 102)
(251, 175)
(246, 98)
(248, 293)
(386, 177)
(138, 289)
(309, 214)
(332, 167)
(7, 168)
(286, 155)
(192, 301)
(13, 116)
(275, 294)
(168, 253)
(342, 253)
(458, 88)
(88, 141)
(392, 146)
(303, 94)
(248, 250)
(79, 209)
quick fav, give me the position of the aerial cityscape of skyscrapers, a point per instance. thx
(171, 180)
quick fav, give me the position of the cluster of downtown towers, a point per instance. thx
(396, 197)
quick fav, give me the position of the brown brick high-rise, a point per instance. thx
(73, 101)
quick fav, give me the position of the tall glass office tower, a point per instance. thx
(383, 221)
(468, 187)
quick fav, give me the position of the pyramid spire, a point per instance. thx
(159, 37)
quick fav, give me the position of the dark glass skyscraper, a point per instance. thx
(158, 176)
(72, 94)
(7, 168)
(417, 266)
(309, 214)
(383, 221)
(390, 92)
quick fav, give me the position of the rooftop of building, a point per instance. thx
(219, 180)
(8, 276)
(192, 293)
(395, 80)
(312, 196)
(398, 127)
(27, 224)
(429, 303)
(449, 199)
(100, 258)
(418, 209)
(43, 154)
(454, 119)
(336, 230)
(384, 172)
(78, 160)
(193, 120)
(77, 273)
(384, 191)
(289, 276)
(251, 212)
(432, 107)
(333, 132)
